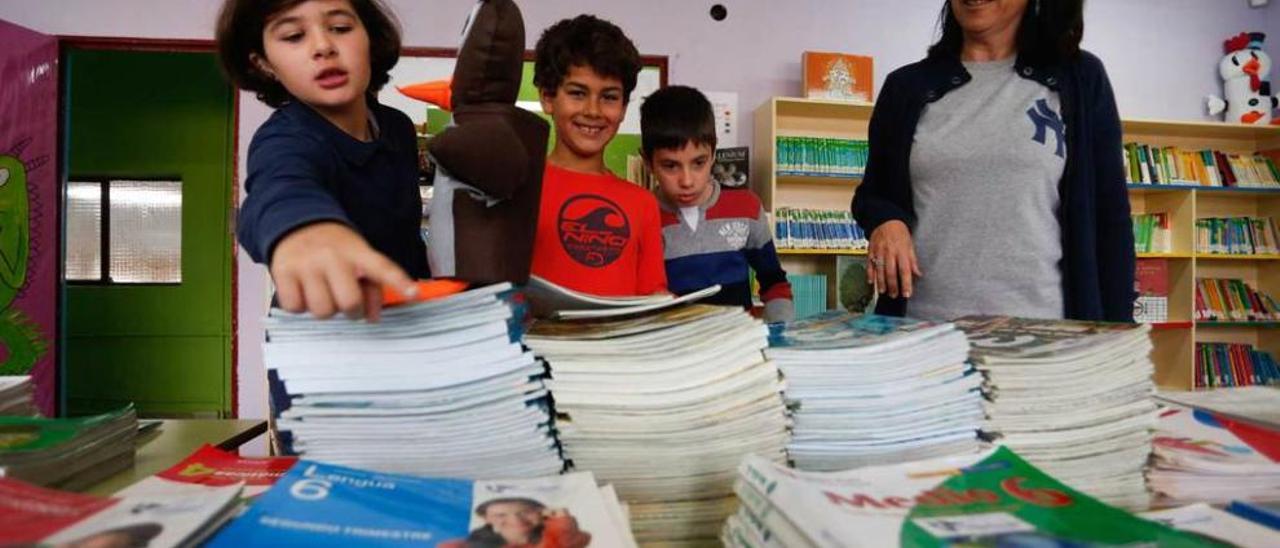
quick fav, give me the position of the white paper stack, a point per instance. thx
(17, 396)
(1202, 456)
(663, 406)
(1073, 398)
(439, 388)
(870, 389)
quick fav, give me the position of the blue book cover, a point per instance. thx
(1260, 513)
(840, 329)
(318, 504)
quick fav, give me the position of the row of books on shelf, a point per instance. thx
(1147, 164)
(796, 228)
(808, 293)
(821, 156)
(1236, 235)
(1233, 364)
(1151, 233)
(1233, 300)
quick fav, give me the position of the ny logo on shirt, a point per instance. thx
(1044, 117)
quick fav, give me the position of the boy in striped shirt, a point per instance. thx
(711, 235)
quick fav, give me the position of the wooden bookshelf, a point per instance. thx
(794, 117)
(1175, 339)
(1174, 353)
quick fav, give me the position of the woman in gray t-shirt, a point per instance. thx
(991, 188)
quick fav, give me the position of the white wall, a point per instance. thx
(1161, 55)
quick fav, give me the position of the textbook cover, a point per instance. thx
(317, 504)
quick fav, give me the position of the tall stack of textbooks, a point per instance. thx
(1202, 456)
(796, 228)
(1233, 364)
(815, 156)
(67, 453)
(318, 504)
(1233, 300)
(992, 498)
(1151, 233)
(1074, 398)
(439, 388)
(17, 396)
(663, 406)
(871, 389)
(1236, 236)
(1147, 164)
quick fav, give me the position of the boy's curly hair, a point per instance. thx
(588, 41)
(239, 34)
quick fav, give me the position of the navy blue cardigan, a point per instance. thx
(1097, 235)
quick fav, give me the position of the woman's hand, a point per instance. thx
(326, 267)
(891, 259)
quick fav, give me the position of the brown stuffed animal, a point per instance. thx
(484, 212)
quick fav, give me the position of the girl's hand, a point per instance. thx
(327, 267)
(891, 259)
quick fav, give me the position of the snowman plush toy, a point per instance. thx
(1246, 90)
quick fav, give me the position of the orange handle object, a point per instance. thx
(427, 290)
(436, 92)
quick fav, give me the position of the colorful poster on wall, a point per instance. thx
(29, 209)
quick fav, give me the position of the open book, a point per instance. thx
(557, 302)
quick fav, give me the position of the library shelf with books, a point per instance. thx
(1185, 203)
(820, 119)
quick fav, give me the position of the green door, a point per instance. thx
(165, 119)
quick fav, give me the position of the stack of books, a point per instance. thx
(439, 388)
(1201, 456)
(67, 453)
(317, 504)
(870, 389)
(1074, 398)
(993, 498)
(17, 396)
(663, 406)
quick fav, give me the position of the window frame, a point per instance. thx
(104, 231)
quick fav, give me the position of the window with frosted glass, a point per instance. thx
(84, 232)
(133, 236)
(145, 232)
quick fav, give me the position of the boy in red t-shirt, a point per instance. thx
(596, 233)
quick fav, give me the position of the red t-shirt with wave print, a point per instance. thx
(598, 234)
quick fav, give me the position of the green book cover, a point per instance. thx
(26, 435)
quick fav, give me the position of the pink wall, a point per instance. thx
(1161, 55)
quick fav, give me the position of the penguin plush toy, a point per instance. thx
(489, 162)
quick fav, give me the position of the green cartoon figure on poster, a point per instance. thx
(21, 344)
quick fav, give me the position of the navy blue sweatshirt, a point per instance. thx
(303, 170)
